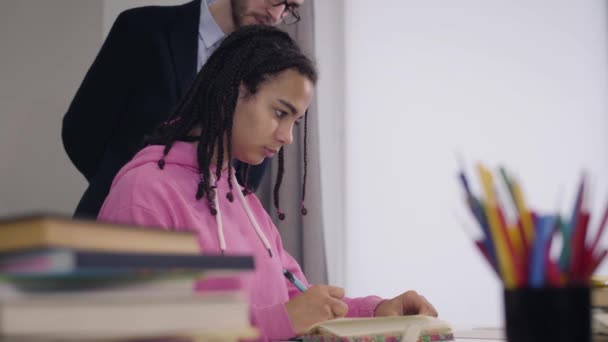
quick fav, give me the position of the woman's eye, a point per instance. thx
(280, 113)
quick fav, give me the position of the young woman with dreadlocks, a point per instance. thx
(243, 105)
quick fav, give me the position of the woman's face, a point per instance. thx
(264, 122)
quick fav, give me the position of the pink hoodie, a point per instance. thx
(145, 195)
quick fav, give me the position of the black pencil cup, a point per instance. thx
(548, 314)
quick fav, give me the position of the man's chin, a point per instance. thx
(245, 21)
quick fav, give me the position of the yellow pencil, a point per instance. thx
(505, 262)
(517, 241)
(524, 213)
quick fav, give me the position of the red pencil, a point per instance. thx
(577, 259)
(554, 275)
(526, 245)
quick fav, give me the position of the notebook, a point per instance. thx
(415, 328)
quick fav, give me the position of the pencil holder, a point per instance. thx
(548, 314)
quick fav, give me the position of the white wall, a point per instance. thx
(329, 48)
(515, 82)
(47, 46)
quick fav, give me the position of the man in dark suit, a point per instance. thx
(144, 67)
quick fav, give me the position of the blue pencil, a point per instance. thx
(477, 209)
(545, 225)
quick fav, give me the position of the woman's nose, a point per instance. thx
(285, 134)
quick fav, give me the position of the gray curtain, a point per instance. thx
(302, 235)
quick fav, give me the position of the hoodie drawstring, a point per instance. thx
(218, 218)
(254, 222)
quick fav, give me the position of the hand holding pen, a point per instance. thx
(294, 280)
(315, 304)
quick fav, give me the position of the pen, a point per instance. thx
(295, 281)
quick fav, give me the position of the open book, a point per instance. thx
(395, 329)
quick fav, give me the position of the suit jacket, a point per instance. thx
(145, 65)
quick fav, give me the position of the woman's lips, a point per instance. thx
(269, 152)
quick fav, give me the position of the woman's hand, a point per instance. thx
(318, 303)
(408, 303)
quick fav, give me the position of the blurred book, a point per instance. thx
(599, 291)
(599, 297)
(599, 311)
(69, 260)
(74, 280)
(48, 316)
(63, 270)
(599, 324)
(36, 231)
(599, 281)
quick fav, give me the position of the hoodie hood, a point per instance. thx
(182, 154)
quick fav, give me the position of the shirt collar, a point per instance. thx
(208, 29)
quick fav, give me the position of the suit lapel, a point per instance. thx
(183, 40)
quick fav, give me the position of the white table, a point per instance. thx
(479, 334)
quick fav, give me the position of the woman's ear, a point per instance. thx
(244, 93)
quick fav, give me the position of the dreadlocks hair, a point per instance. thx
(277, 186)
(249, 56)
(303, 209)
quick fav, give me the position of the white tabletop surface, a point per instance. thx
(467, 334)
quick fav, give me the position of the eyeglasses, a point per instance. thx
(290, 14)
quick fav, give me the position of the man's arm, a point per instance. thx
(95, 111)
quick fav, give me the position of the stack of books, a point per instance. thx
(599, 305)
(64, 279)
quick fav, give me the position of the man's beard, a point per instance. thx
(238, 9)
